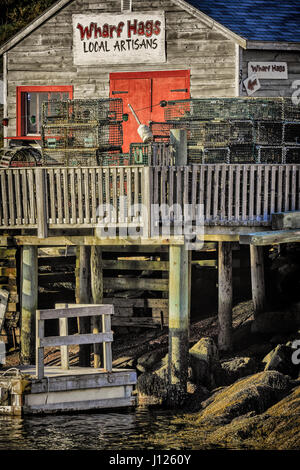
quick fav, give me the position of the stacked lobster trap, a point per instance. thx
(78, 132)
(235, 130)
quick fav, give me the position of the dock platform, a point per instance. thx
(73, 390)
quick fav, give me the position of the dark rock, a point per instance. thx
(278, 339)
(191, 388)
(278, 428)
(236, 368)
(204, 361)
(155, 389)
(162, 372)
(295, 310)
(197, 394)
(152, 385)
(124, 362)
(280, 359)
(275, 322)
(150, 360)
(253, 393)
(241, 336)
(258, 350)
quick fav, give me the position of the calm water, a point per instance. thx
(139, 429)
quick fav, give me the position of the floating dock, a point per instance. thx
(73, 390)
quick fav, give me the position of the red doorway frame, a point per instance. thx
(156, 74)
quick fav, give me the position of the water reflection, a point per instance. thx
(139, 429)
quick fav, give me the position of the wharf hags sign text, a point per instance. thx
(119, 38)
(269, 70)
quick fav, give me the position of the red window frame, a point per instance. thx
(28, 89)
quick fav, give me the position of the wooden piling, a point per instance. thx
(257, 279)
(29, 297)
(84, 297)
(225, 296)
(97, 295)
(178, 317)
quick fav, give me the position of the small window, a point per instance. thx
(126, 5)
(29, 106)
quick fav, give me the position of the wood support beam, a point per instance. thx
(258, 279)
(84, 297)
(270, 238)
(97, 295)
(29, 298)
(178, 317)
(82, 240)
(225, 296)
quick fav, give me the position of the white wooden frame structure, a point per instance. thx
(65, 340)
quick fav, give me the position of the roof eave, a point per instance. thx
(273, 45)
(210, 22)
(33, 25)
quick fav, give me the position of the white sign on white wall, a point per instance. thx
(119, 38)
(272, 70)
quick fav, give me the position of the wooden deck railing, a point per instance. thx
(73, 197)
(230, 194)
(65, 198)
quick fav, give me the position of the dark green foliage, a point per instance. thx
(16, 14)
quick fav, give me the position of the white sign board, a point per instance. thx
(252, 84)
(119, 38)
(273, 70)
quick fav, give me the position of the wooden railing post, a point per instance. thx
(41, 203)
(40, 333)
(63, 331)
(107, 353)
(146, 201)
(178, 138)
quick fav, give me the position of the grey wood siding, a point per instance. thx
(45, 56)
(274, 87)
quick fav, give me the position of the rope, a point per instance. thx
(16, 371)
(148, 107)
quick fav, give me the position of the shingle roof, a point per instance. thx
(256, 20)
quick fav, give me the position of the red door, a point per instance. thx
(144, 91)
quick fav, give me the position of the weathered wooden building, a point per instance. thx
(146, 52)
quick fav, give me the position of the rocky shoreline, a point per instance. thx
(249, 399)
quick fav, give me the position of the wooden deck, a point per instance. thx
(64, 389)
(76, 389)
(119, 197)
